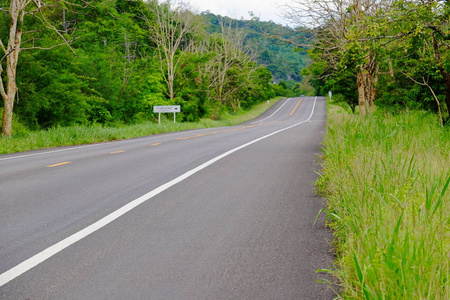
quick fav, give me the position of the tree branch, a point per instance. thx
(46, 23)
(425, 83)
(3, 47)
(46, 48)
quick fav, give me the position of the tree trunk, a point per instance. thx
(366, 92)
(367, 76)
(7, 116)
(8, 98)
(12, 56)
(170, 86)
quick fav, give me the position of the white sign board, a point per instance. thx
(167, 109)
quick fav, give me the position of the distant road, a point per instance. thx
(221, 213)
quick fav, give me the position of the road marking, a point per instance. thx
(59, 164)
(115, 152)
(198, 135)
(241, 128)
(216, 132)
(273, 112)
(156, 144)
(50, 152)
(58, 247)
(295, 108)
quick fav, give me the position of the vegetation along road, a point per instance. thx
(222, 213)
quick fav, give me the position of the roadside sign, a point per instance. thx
(166, 109)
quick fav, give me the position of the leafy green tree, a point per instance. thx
(29, 20)
(422, 52)
(49, 93)
(192, 85)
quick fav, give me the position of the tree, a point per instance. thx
(427, 38)
(232, 64)
(172, 31)
(410, 41)
(22, 14)
(341, 39)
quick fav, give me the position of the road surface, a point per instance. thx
(222, 213)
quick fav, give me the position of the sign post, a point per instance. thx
(330, 94)
(167, 109)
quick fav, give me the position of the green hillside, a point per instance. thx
(284, 60)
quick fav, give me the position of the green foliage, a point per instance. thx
(389, 204)
(24, 139)
(284, 60)
(50, 94)
(403, 47)
(112, 75)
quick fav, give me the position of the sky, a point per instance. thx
(266, 10)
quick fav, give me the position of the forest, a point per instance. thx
(109, 62)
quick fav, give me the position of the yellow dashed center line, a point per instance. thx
(60, 164)
(295, 108)
(215, 132)
(115, 152)
(182, 138)
(198, 135)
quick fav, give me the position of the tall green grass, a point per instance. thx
(24, 140)
(387, 180)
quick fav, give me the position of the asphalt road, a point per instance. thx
(222, 213)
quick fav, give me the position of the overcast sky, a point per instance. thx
(266, 10)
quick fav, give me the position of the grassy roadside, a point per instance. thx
(78, 135)
(387, 179)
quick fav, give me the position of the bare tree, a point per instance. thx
(230, 51)
(171, 31)
(11, 47)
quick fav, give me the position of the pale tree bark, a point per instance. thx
(229, 51)
(17, 12)
(367, 77)
(11, 53)
(171, 32)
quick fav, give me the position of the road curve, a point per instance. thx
(221, 213)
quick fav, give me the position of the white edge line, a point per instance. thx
(273, 113)
(50, 152)
(58, 247)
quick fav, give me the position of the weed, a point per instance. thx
(386, 178)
